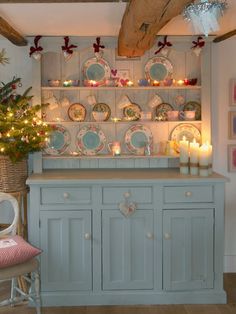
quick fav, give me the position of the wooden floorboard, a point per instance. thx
(229, 308)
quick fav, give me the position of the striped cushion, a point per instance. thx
(15, 250)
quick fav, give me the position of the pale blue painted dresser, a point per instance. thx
(170, 250)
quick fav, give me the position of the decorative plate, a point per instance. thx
(59, 140)
(77, 112)
(161, 111)
(187, 130)
(96, 70)
(158, 69)
(102, 107)
(137, 137)
(132, 112)
(90, 140)
(193, 105)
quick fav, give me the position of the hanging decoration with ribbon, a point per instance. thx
(35, 51)
(96, 46)
(198, 45)
(164, 47)
(67, 49)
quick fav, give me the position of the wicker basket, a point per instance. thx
(12, 175)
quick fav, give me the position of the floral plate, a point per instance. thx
(137, 137)
(132, 112)
(102, 107)
(90, 140)
(96, 70)
(77, 112)
(187, 130)
(158, 69)
(193, 106)
(59, 140)
(161, 111)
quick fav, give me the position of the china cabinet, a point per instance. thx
(53, 66)
(168, 250)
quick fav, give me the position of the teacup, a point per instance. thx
(172, 115)
(189, 115)
(154, 101)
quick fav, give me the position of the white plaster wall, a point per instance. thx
(223, 69)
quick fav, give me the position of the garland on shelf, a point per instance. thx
(198, 45)
(21, 130)
(96, 46)
(164, 47)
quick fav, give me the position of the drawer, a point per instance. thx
(188, 194)
(66, 195)
(114, 194)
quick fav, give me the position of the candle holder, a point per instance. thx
(115, 148)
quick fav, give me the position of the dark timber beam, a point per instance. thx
(58, 1)
(141, 22)
(11, 34)
(224, 36)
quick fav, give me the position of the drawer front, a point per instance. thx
(114, 194)
(188, 194)
(66, 195)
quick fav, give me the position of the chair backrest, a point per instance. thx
(13, 226)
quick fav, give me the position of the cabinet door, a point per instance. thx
(127, 245)
(66, 244)
(188, 249)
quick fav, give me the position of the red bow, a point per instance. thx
(35, 48)
(199, 43)
(68, 48)
(97, 45)
(163, 45)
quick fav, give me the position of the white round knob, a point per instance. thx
(167, 236)
(149, 235)
(66, 195)
(188, 194)
(127, 194)
(87, 236)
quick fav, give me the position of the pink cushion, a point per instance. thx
(15, 250)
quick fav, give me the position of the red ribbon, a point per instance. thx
(97, 45)
(68, 48)
(199, 43)
(36, 47)
(163, 45)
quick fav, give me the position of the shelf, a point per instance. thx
(124, 122)
(197, 87)
(109, 156)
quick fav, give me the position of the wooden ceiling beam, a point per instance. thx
(59, 1)
(224, 36)
(141, 22)
(11, 34)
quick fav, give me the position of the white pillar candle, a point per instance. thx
(194, 157)
(184, 155)
(210, 159)
(203, 160)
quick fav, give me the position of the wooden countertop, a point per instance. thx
(129, 175)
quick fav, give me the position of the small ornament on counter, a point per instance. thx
(96, 46)
(198, 45)
(143, 82)
(67, 49)
(35, 51)
(164, 47)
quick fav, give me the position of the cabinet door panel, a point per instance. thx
(127, 250)
(66, 259)
(188, 249)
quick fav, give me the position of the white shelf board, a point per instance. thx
(197, 87)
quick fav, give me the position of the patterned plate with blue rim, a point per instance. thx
(158, 69)
(90, 140)
(59, 140)
(137, 137)
(96, 70)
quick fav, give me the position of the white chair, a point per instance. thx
(30, 267)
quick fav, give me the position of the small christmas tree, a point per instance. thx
(21, 129)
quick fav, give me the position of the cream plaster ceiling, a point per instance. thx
(89, 19)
